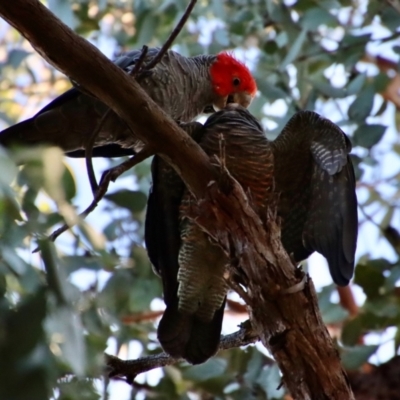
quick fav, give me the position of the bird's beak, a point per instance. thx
(220, 103)
(242, 98)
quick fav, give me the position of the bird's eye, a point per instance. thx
(236, 81)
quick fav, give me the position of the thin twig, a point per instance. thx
(89, 150)
(114, 173)
(135, 70)
(395, 4)
(172, 36)
(108, 176)
(131, 368)
(90, 143)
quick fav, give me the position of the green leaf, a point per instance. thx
(294, 50)
(324, 296)
(74, 263)
(351, 41)
(334, 314)
(68, 389)
(222, 37)
(24, 355)
(315, 17)
(16, 56)
(68, 183)
(141, 293)
(146, 26)
(384, 307)
(210, 369)
(112, 230)
(27, 317)
(63, 10)
(352, 331)
(254, 366)
(55, 277)
(392, 280)
(369, 278)
(354, 357)
(270, 379)
(115, 294)
(381, 81)
(355, 85)
(327, 89)
(373, 322)
(391, 18)
(361, 107)
(218, 8)
(368, 135)
(271, 92)
(13, 260)
(270, 47)
(134, 201)
(65, 327)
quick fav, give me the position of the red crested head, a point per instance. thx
(231, 77)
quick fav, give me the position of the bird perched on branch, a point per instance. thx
(307, 167)
(183, 87)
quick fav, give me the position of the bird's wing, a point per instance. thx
(181, 334)
(162, 225)
(105, 151)
(162, 234)
(70, 119)
(315, 177)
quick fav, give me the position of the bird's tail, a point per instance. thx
(187, 336)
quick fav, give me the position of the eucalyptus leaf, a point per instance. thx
(361, 107)
(208, 370)
(315, 17)
(295, 49)
(134, 201)
(16, 56)
(368, 135)
(354, 357)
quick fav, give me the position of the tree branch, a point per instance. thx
(86, 65)
(289, 325)
(131, 368)
(173, 35)
(110, 175)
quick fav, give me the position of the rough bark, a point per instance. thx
(289, 324)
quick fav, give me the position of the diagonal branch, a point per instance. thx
(89, 151)
(173, 35)
(108, 176)
(131, 368)
(86, 65)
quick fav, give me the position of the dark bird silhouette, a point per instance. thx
(307, 166)
(182, 86)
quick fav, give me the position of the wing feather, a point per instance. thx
(315, 178)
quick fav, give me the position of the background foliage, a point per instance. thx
(94, 289)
